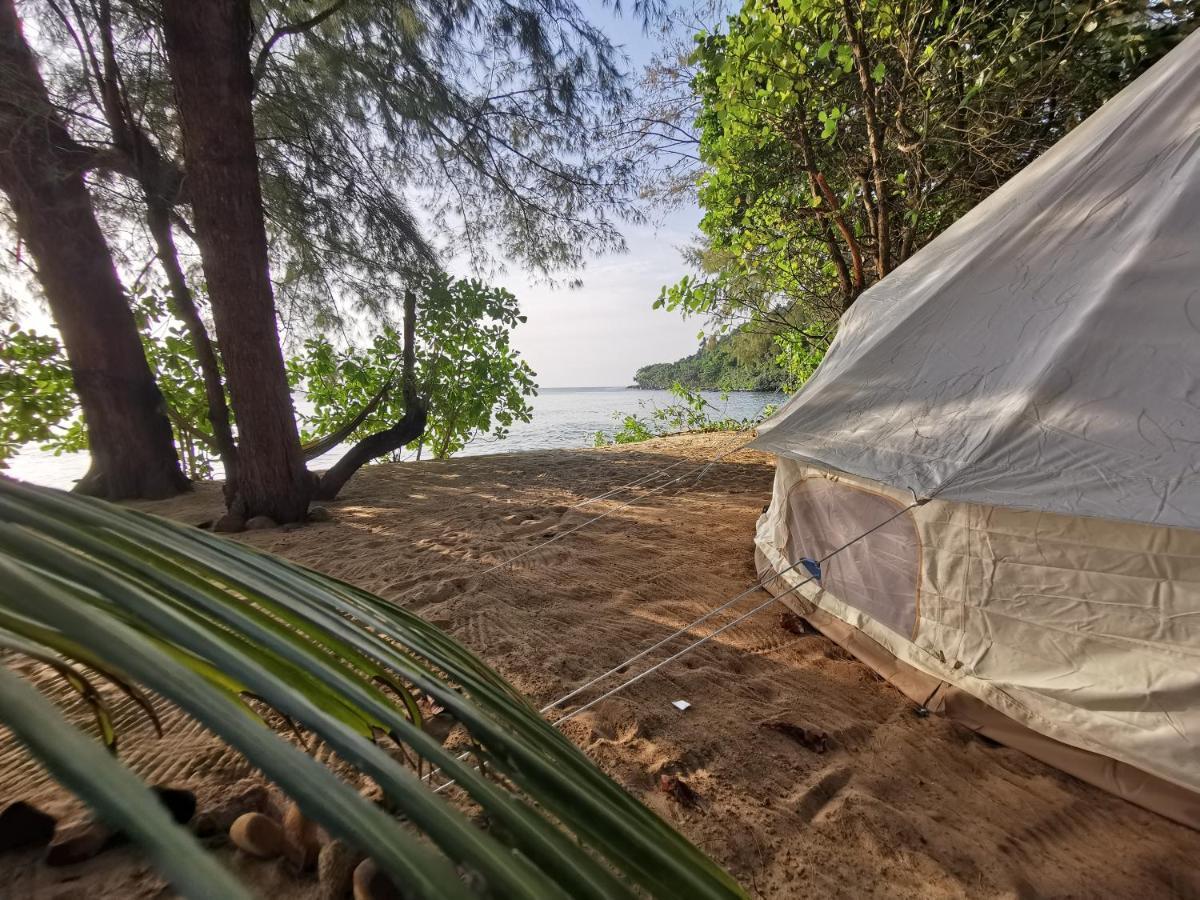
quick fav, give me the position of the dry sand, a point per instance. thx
(897, 806)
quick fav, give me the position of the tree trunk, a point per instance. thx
(133, 454)
(161, 181)
(821, 190)
(410, 427)
(208, 46)
(158, 217)
(858, 47)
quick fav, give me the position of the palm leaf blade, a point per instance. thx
(197, 619)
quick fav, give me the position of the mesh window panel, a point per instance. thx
(878, 574)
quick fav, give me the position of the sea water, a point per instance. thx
(562, 418)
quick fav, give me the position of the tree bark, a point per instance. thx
(208, 46)
(820, 189)
(183, 304)
(129, 435)
(883, 248)
(161, 181)
(410, 427)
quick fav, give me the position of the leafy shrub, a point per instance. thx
(690, 412)
(475, 381)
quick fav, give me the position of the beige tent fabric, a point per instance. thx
(1031, 378)
(937, 696)
(1084, 630)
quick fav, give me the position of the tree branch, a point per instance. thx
(874, 140)
(820, 188)
(410, 427)
(260, 62)
(321, 446)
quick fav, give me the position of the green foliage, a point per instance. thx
(690, 412)
(219, 629)
(466, 366)
(172, 358)
(487, 113)
(799, 352)
(386, 101)
(476, 383)
(37, 395)
(716, 367)
(632, 429)
(38, 404)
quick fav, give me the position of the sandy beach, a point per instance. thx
(892, 805)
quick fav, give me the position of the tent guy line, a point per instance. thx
(699, 472)
(645, 478)
(638, 482)
(758, 585)
(697, 643)
(708, 637)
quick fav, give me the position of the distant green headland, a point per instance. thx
(720, 365)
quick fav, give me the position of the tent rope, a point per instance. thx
(761, 583)
(702, 470)
(635, 483)
(645, 478)
(700, 641)
(730, 449)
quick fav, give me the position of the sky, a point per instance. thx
(599, 334)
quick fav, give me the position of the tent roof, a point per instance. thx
(1043, 352)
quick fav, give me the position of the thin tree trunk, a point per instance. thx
(410, 427)
(129, 435)
(208, 46)
(862, 63)
(158, 217)
(852, 282)
(161, 182)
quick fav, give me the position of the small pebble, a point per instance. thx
(79, 842)
(335, 870)
(248, 796)
(320, 514)
(24, 825)
(229, 523)
(302, 837)
(257, 835)
(370, 883)
(260, 523)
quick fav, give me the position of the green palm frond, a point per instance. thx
(206, 622)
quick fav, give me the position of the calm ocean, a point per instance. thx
(562, 417)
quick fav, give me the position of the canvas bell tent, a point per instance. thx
(1020, 404)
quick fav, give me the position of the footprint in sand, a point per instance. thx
(818, 796)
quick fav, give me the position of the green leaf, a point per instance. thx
(157, 596)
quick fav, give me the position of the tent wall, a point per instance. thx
(1082, 630)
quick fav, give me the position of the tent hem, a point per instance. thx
(1122, 779)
